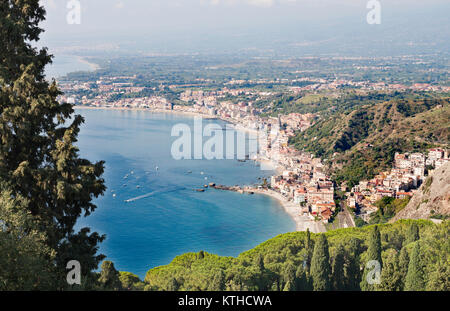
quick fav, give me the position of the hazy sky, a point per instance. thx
(177, 24)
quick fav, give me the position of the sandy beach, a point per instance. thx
(302, 222)
(186, 113)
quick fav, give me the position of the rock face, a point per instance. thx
(433, 197)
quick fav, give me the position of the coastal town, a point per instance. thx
(301, 182)
(402, 181)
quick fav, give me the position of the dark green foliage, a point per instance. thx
(109, 277)
(373, 253)
(413, 234)
(403, 263)
(338, 276)
(391, 277)
(320, 265)
(415, 279)
(25, 259)
(38, 155)
(352, 269)
(218, 281)
(130, 281)
(279, 264)
(387, 208)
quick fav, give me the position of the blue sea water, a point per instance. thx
(172, 218)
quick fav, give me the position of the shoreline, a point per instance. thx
(302, 222)
(83, 60)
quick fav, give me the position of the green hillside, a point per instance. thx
(363, 142)
(291, 261)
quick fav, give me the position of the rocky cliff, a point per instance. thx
(432, 199)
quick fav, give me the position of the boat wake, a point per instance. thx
(165, 190)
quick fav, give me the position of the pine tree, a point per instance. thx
(415, 279)
(260, 263)
(373, 254)
(337, 278)
(218, 281)
(320, 265)
(37, 154)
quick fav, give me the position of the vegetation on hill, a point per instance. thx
(304, 261)
(363, 142)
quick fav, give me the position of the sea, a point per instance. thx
(152, 212)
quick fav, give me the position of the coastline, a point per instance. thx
(83, 60)
(186, 113)
(302, 222)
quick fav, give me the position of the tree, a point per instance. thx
(25, 259)
(309, 245)
(415, 279)
(390, 274)
(320, 265)
(218, 281)
(337, 278)
(412, 234)
(302, 282)
(289, 277)
(109, 277)
(403, 263)
(352, 269)
(439, 279)
(37, 154)
(130, 281)
(373, 254)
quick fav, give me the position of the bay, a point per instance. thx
(169, 217)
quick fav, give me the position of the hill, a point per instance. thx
(433, 198)
(283, 263)
(361, 143)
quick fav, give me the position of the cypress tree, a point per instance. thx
(37, 153)
(289, 276)
(415, 279)
(373, 253)
(320, 265)
(403, 263)
(390, 274)
(412, 234)
(352, 269)
(301, 279)
(309, 250)
(337, 278)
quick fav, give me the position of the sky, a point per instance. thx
(174, 26)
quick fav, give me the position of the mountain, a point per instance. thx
(361, 143)
(433, 198)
